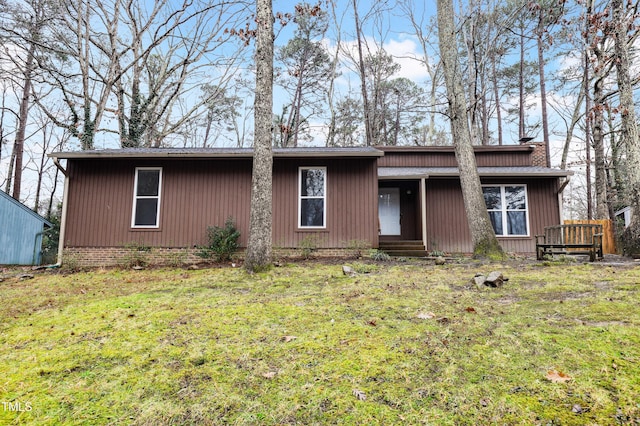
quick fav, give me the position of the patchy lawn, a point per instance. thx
(304, 344)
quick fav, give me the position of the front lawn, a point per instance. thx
(305, 344)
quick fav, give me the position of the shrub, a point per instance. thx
(307, 246)
(223, 241)
(379, 255)
(137, 255)
(50, 239)
(357, 247)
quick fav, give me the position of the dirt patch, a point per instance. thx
(566, 296)
(603, 323)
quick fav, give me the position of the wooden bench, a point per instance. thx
(573, 239)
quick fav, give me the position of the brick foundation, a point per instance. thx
(83, 257)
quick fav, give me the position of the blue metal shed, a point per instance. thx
(21, 232)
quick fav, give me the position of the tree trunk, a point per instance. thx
(575, 117)
(363, 80)
(22, 123)
(629, 131)
(597, 113)
(496, 95)
(258, 255)
(485, 243)
(543, 88)
(521, 130)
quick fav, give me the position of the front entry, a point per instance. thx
(398, 209)
(389, 211)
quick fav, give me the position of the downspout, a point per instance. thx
(63, 215)
(37, 249)
(560, 200)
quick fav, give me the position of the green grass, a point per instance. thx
(305, 344)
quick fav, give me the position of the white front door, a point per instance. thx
(389, 211)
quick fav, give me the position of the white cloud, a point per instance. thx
(407, 54)
(405, 51)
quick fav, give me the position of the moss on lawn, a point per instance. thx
(305, 344)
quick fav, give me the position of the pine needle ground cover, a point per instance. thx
(305, 344)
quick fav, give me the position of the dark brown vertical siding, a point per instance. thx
(448, 230)
(447, 227)
(201, 193)
(351, 203)
(503, 159)
(195, 194)
(418, 159)
(446, 158)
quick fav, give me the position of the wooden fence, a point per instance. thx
(608, 233)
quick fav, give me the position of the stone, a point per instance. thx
(479, 280)
(347, 270)
(440, 260)
(495, 279)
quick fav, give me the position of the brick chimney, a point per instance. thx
(539, 154)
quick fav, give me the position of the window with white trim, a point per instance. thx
(312, 203)
(508, 209)
(146, 197)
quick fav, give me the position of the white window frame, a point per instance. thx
(308, 197)
(504, 210)
(136, 197)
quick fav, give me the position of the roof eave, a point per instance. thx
(221, 155)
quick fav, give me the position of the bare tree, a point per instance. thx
(134, 65)
(363, 76)
(485, 243)
(425, 33)
(308, 70)
(623, 16)
(24, 27)
(258, 255)
(547, 14)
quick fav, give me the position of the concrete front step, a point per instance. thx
(403, 248)
(406, 253)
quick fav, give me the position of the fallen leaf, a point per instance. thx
(288, 339)
(471, 310)
(557, 376)
(361, 396)
(372, 323)
(269, 375)
(426, 315)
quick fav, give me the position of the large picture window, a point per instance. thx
(313, 197)
(508, 209)
(146, 197)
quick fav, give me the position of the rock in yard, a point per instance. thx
(440, 260)
(495, 279)
(478, 280)
(348, 270)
